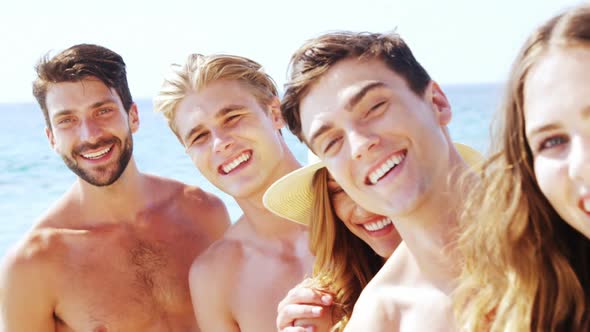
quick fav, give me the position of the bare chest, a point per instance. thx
(128, 284)
(415, 304)
(265, 282)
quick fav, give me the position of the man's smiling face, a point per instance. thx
(382, 142)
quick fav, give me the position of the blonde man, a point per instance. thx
(225, 112)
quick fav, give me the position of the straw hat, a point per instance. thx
(291, 196)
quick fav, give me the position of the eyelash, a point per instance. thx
(331, 144)
(104, 111)
(232, 118)
(335, 191)
(550, 142)
(376, 106)
(199, 137)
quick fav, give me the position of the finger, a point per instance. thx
(298, 329)
(293, 312)
(306, 295)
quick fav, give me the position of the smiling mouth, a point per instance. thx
(385, 168)
(233, 164)
(377, 225)
(585, 205)
(97, 154)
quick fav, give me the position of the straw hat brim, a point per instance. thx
(291, 196)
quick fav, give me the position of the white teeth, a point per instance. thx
(96, 155)
(387, 165)
(377, 225)
(586, 205)
(234, 163)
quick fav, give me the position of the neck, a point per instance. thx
(118, 202)
(264, 222)
(430, 233)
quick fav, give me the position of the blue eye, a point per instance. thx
(552, 142)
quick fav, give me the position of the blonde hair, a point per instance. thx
(526, 269)
(199, 71)
(344, 263)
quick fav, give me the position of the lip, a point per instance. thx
(392, 172)
(232, 158)
(581, 204)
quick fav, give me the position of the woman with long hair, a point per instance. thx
(526, 241)
(350, 244)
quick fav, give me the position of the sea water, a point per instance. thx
(33, 176)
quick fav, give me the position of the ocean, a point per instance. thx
(33, 176)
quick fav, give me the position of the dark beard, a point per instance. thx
(95, 176)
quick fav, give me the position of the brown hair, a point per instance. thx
(344, 263)
(526, 269)
(200, 70)
(318, 55)
(77, 63)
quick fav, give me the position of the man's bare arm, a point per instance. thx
(210, 294)
(26, 303)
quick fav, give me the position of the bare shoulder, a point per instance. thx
(183, 193)
(33, 264)
(219, 262)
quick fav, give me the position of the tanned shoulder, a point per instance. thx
(27, 274)
(221, 260)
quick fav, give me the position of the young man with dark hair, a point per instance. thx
(370, 111)
(113, 254)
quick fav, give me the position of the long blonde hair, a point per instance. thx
(344, 263)
(525, 268)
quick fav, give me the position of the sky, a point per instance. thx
(457, 41)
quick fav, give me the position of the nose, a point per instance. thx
(361, 142)
(579, 159)
(90, 131)
(221, 141)
(359, 212)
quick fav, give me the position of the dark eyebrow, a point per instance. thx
(102, 103)
(357, 97)
(541, 129)
(62, 113)
(95, 105)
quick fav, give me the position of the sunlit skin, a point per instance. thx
(383, 241)
(114, 252)
(222, 122)
(557, 117)
(359, 115)
(79, 134)
(234, 140)
(389, 149)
